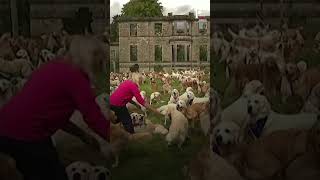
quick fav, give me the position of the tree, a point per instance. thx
(142, 8)
(114, 29)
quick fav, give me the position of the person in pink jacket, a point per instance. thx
(45, 104)
(123, 95)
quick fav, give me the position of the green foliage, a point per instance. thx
(114, 29)
(142, 8)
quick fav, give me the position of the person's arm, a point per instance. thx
(148, 106)
(135, 104)
(73, 129)
(83, 96)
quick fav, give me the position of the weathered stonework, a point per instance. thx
(146, 40)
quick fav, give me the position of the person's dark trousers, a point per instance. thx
(36, 160)
(123, 114)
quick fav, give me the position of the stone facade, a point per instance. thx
(163, 33)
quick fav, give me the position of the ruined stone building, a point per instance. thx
(34, 17)
(173, 41)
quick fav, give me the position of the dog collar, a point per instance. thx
(257, 127)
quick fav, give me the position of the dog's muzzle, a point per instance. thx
(249, 109)
(219, 139)
(190, 102)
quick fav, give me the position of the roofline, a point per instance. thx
(163, 18)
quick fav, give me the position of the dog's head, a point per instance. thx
(190, 97)
(134, 118)
(140, 119)
(78, 170)
(189, 89)
(258, 106)
(225, 134)
(175, 93)
(181, 105)
(253, 87)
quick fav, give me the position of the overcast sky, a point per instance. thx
(178, 7)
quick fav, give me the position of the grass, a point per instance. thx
(152, 159)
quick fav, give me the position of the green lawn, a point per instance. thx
(153, 160)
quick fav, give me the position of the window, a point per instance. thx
(203, 53)
(157, 53)
(202, 26)
(180, 26)
(188, 53)
(173, 53)
(158, 29)
(133, 53)
(180, 53)
(133, 29)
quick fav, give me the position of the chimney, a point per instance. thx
(170, 14)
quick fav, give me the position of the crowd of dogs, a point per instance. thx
(250, 139)
(182, 107)
(269, 55)
(20, 56)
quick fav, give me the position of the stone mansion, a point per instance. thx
(168, 42)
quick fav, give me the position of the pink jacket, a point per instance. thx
(124, 94)
(48, 100)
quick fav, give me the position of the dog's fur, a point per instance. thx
(270, 156)
(237, 111)
(178, 130)
(206, 165)
(260, 108)
(174, 98)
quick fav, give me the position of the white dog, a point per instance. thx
(153, 96)
(188, 97)
(260, 112)
(174, 96)
(178, 130)
(164, 109)
(237, 112)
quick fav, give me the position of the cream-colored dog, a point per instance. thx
(260, 111)
(174, 98)
(178, 130)
(237, 112)
(154, 96)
